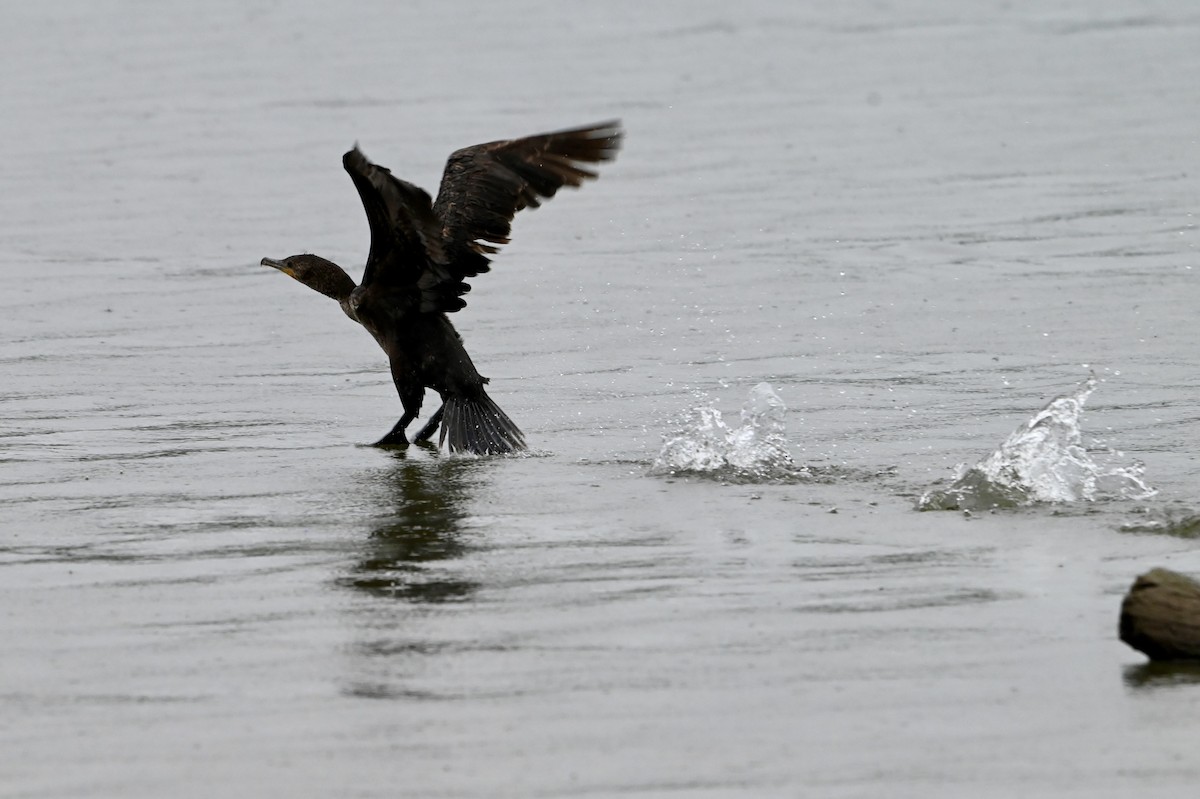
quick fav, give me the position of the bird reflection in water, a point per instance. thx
(407, 552)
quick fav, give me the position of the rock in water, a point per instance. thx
(1160, 616)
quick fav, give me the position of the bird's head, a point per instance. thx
(316, 273)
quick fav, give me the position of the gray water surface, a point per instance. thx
(918, 221)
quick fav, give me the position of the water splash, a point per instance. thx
(1180, 523)
(1043, 460)
(756, 451)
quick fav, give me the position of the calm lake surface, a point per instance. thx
(918, 221)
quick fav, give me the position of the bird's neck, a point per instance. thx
(332, 281)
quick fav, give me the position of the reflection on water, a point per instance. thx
(1162, 674)
(422, 506)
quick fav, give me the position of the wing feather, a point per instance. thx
(484, 186)
(405, 234)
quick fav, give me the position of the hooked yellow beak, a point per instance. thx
(280, 265)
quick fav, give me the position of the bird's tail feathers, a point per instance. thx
(476, 424)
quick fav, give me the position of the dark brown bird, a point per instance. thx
(421, 254)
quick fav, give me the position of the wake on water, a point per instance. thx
(754, 452)
(1043, 460)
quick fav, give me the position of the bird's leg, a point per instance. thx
(430, 427)
(411, 395)
(396, 437)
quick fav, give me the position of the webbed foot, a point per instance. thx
(395, 438)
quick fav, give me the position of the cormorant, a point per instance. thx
(421, 253)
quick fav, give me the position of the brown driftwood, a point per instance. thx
(1160, 616)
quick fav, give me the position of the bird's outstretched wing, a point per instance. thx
(406, 249)
(484, 186)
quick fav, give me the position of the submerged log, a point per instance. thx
(1160, 616)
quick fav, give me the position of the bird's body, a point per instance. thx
(421, 254)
